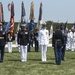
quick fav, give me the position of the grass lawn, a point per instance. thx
(34, 66)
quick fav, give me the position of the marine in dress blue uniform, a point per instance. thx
(23, 40)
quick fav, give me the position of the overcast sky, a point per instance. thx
(53, 10)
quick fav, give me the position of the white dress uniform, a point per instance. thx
(9, 44)
(43, 39)
(72, 41)
(68, 41)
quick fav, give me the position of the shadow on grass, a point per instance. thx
(47, 63)
(12, 52)
(72, 58)
(14, 60)
(51, 59)
(35, 59)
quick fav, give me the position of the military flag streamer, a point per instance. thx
(12, 17)
(31, 26)
(23, 14)
(1, 14)
(39, 24)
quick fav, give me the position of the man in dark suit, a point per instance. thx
(2, 42)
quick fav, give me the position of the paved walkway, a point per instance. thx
(14, 45)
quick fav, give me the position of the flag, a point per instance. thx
(12, 23)
(39, 24)
(31, 26)
(2, 15)
(23, 14)
(9, 7)
(32, 11)
(0, 12)
(12, 17)
(7, 26)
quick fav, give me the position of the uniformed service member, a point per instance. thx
(64, 32)
(23, 40)
(57, 43)
(36, 40)
(9, 41)
(43, 39)
(2, 42)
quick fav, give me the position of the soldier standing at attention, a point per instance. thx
(43, 39)
(9, 40)
(23, 40)
(2, 42)
(36, 40)
(57, 43)
(64, 32)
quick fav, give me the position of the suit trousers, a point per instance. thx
(43, 52)
(10, 47)
(23, 52)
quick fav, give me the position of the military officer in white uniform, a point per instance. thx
(72, 40)
(43, 39)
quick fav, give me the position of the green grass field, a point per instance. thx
(34, 66)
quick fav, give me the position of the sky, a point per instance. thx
(53, 10)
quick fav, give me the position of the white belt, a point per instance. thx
(1, 37)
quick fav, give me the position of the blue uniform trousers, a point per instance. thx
(2, 52)
(58, 53)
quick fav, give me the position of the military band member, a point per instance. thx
(57, 43)
(43, 41)
(23, 40)
(2, 42)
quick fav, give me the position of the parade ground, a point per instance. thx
(34, 66)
